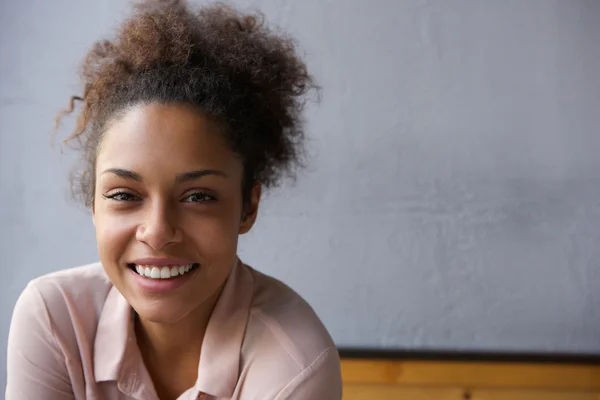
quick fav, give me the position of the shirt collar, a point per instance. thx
(219, 367)
(114, 334)
(218, 370)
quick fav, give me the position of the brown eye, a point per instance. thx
(199, 197)
(120, 196)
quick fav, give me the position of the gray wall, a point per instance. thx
(453, 194)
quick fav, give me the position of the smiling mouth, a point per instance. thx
(162, 272)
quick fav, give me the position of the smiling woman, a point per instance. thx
(187, 114)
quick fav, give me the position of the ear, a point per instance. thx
(251, 210)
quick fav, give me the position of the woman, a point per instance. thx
(186, 115)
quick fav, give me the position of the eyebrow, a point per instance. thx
(193, 175)
(123, 173)
(181, 178)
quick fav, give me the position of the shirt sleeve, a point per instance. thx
(321, 380)
(36, 366)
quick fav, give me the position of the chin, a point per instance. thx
(161, 311)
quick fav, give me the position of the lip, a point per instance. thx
(162, 261)
(160, 286)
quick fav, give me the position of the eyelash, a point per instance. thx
(115, 196)
(208, 198)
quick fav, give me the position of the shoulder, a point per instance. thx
(52, 330)
(74, 279)
(285, 339)
(69, 297)
(81, 286)
(285, 320)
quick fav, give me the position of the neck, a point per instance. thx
(171, 343)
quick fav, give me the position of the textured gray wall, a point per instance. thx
(453, 194)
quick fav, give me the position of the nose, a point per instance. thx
(159, 228)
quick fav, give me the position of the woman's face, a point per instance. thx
(168, 204)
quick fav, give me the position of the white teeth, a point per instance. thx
(162, 272)
(155, 273)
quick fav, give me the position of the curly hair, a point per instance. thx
(231, 66)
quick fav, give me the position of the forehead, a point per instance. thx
(165, 136)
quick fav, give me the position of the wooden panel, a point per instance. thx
(398, 392)
(395, 392)
(584, 378)
(530, 395)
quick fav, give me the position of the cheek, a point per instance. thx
(215, 235)
(113, 235)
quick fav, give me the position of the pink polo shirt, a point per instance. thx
(71, 337)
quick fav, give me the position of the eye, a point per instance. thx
(120, 196)
(199, 197)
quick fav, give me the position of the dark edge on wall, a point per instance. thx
(468, 356)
